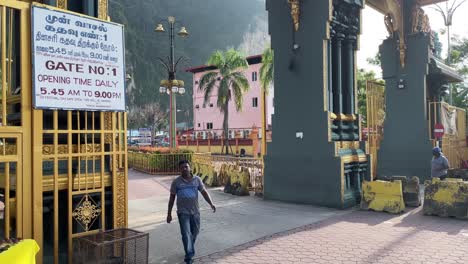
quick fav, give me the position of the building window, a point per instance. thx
(211, 105)
(255, 102)
(196, 82)
(198, 124)
(209, 125)
(254, 76)
(197, 106)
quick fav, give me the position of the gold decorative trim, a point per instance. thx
(86, 212)
(121, 209)
(62, 4)
(102, 9)
(63, 149)
(10, 149)
(108, 126)
(341, 117)
(295, 12)
(354, 158)
(419, 21)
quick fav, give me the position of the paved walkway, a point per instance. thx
(359, 237)
(237, 220)
(252, 230)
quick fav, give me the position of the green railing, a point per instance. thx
(157, 163)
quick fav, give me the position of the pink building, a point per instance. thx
(207, 117)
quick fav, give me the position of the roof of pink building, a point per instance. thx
(255, 59)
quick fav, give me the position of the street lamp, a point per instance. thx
(171, 86)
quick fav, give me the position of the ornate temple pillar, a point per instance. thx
(318, 29)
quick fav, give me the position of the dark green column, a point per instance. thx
(349, 73)
(330, 75)
(337, 74)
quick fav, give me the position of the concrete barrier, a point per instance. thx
(383, 196)
(448, 198)
(410, 190)
(238, 181)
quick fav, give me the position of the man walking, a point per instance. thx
(186, 188)
(439, 164)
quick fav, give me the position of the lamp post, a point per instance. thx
(171, 86)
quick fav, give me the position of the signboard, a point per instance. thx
(78, 62)
(144, 132)
(439, 131)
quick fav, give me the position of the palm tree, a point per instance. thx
(266, 78)
(230, 82)
(266, 71)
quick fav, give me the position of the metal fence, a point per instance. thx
(453, 143)
(255, 166)
(167, 164)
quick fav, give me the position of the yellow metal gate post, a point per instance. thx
(375, 100)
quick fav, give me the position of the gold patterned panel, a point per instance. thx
(63, 149)
(62, 4)
(9, 150)
(102, 9)
(295, 12)
(419, 20)
(354, 158)
(86, 212)
(120, 213)
(108, 126)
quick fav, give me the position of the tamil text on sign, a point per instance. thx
(78, 62)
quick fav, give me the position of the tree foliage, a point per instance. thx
(229, 82)
(459, 59)
(267, 69)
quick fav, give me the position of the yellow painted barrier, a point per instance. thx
(24, 252)
(238, 183)
(410, 190)
(383, 196)
(446, 198)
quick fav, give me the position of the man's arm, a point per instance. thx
(169, 207)
(207, 197)
(446, 163)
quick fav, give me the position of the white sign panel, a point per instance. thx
(78, 62)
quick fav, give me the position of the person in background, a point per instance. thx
(186, 188)
(439, 164)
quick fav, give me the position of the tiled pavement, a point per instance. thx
(359, 237)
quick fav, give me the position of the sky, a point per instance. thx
(374, 32)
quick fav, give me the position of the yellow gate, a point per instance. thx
(15, 187)
(453, 142)
(11, 177)
(63, 174)
(375, 100)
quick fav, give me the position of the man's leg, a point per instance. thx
(184, 222)
(195, 229)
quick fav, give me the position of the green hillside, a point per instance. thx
(212, 24)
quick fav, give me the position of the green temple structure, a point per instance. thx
(317, 155)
